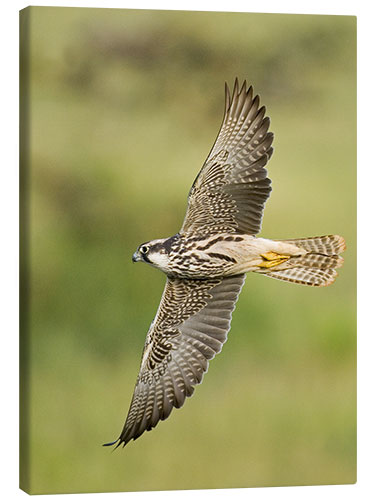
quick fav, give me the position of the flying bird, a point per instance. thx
(207, 260)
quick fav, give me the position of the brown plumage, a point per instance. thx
(206, 262)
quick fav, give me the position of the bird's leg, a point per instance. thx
(272, 259)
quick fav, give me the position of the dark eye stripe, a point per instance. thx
(169, 242)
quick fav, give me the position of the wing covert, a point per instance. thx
(230, 191)
(189, 329)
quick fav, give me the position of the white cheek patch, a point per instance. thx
(159, 260)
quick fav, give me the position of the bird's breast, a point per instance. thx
(208, 257)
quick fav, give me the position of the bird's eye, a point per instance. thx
(144, 249)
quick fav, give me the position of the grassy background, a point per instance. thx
(124, 107)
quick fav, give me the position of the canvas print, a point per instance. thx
(152, 137)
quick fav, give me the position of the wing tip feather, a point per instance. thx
(227, 98)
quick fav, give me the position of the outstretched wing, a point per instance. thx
(190, 327)
(230, 191)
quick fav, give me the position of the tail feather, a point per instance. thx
(317, 267)
(312, 277)
(332, 244)
(316, 261)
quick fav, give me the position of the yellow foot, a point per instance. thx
(272, 259)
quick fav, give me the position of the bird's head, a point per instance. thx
(155, 252)
(146, 251)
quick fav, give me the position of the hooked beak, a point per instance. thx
(136, 257)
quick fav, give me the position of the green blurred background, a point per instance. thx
(124, 108)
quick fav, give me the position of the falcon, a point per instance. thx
(207, 260)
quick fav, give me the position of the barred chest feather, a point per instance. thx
(205, 256)
(202, 257)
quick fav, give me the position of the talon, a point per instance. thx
(272, 259)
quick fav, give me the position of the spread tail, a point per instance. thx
(317, 266)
